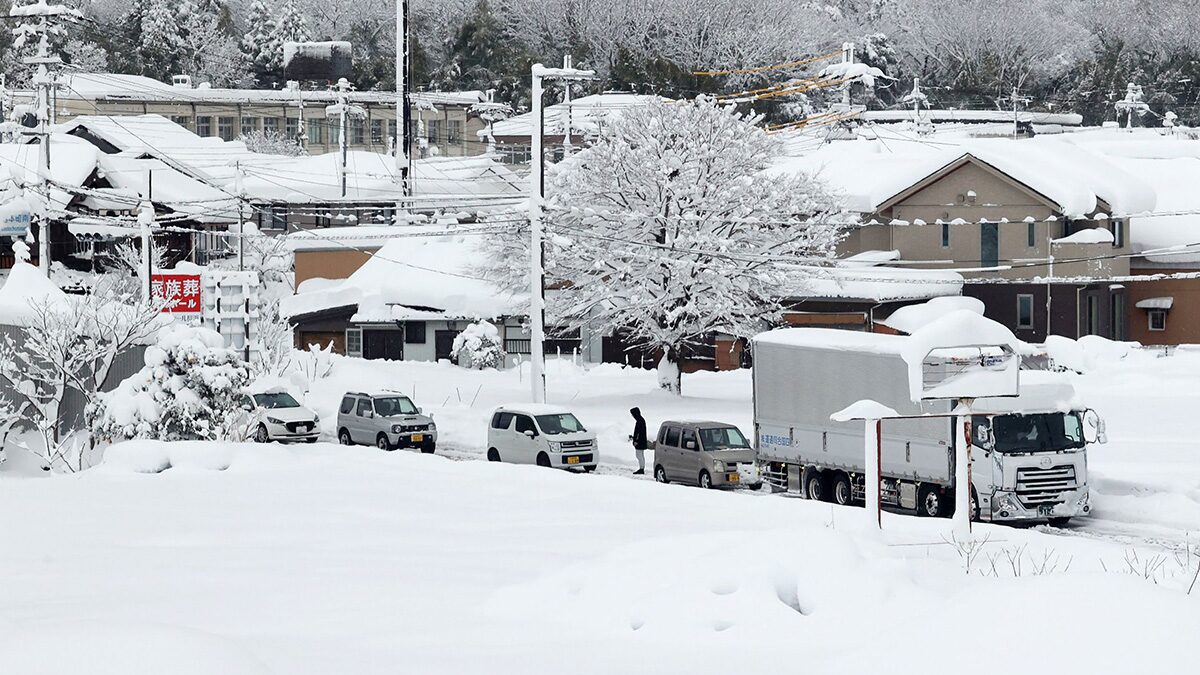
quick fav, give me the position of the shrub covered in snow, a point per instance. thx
(187, 390)
(478, 347)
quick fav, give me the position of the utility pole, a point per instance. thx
(1017, 101)
(847, 57)
(241, 236)
(962, 467)
(537, 192)
(343, 110)
(403, 112)
(566, 144)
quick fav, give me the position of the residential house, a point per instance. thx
(443, 123)
(999, 212)
(574, 124)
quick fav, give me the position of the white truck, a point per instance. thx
(1029, 452)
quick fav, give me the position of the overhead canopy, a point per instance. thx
(1156, 303)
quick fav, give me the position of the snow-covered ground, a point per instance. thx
(320, 558)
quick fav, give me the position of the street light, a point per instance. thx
(537, 273)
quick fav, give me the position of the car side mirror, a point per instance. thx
(247, 407)
(419, 410)
(690, 445)
(369, 414)
(530, 433)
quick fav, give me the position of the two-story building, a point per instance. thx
(1029, 223)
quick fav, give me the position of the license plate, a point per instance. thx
(417, 438)
(304, 427)
(1045, 510)
(572, 460)
(733, 478)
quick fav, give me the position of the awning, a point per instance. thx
(1156, 303)
(96, 230)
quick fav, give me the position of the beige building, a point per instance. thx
(443, 123)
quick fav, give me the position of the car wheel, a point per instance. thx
(493, 455)
(589, 469)
(814, 483)
(311, 440)
(428, 448)
(382, 442)
(344, 437)
(660, 474)
(543, 459)
(705, 480)
(933, 503)
(261, 435)
(841, 493)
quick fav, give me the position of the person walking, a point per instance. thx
(639, 439)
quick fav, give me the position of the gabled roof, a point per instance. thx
(587, 114)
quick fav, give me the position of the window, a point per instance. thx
(204, 126)
(316, 135)
(1158, 319)
(354, 342)
(689, 436)
(662, 435)
(181, 120)
(525, 423)
(1025, 311)
(225, 128)
(1118, 316)
(434, 128)
(292, 127)
(335, 132)
(673, 436)
(273, 218)
(414, 332)
(723, 439)
(945, 235)
(376, 132)
(358, 131)
(502, 420)
(1093, 315)
(1031, 234)
(270, 125)
(454, 129)
(392, 127)
(249, 125)
(364, 407)
(347, 405)
(1118, 232)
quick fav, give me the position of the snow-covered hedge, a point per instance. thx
(188, 390)
(479, 347)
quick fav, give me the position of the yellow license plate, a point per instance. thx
(733, 478)
(572, 460)
(417, 438)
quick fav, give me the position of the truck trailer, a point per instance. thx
(1029, 452)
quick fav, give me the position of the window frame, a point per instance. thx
(226, 126)
(1031, 235)
(945, 234)
(347, 409)
(204, 126)
(683, 438)
(1117, 227)
(677, 433)
(500, 422)
(412, 329)
(1151, 314)
(518, 417)
(354, 336)
(1025, 297)
(364, 404)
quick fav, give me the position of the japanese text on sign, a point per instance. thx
(179, 293)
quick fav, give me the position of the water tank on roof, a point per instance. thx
(324, 61)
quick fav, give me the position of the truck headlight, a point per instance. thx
(555, 446)
(273, 420)
(397, 428)
(1004, 502)
(1084, 500)
(718, 465)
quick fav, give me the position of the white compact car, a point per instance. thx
(543, 435)
(276, 416)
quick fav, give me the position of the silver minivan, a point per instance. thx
(708, 454)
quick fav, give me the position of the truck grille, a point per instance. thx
(1045, 486)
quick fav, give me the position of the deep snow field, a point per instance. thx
(325, 559)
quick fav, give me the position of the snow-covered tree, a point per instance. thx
(478, 346)
(163, 46)
(258, 41)
(189, 389)
(291, 26)
(667, 230)
(210, 53)
(272, 143)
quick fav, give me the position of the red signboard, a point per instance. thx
(179, 293)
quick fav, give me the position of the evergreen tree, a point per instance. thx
(163, 43)
(291, 26)
(259, 40)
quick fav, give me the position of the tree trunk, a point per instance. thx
(669, 377)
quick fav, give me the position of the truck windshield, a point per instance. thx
(394, 405)
(559, 424)
(723, 438)
(1037, 433)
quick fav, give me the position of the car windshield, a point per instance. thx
(394, 405)
(276, 400)
(559, 424)
(1037, 433)
(723, 438)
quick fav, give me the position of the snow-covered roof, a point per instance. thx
(588, 114)
(536, 408)
(972, 116)
(869, 173)
(24, 288)
(118, 87)
(911, 318)
(155, 180)
(73, 161)
(1089, 235)
(431, 273)
(1156, 303)
(880, 284)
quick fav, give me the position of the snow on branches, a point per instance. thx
(668, 230)
(478, 346)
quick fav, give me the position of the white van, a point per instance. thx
(541, 434)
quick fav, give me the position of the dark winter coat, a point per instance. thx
(639, 429)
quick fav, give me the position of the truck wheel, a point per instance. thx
(493, 455)
(813, 482)
(933, 503)
(841, 493)
(660, 474)
(381, 442)
(705, 480)
(543, 459)
(344, 437)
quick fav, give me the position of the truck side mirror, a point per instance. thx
(1093, 427)
(1101, 431)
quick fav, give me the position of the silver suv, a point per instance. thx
(387, 420)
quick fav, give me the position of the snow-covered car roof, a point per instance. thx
(535, 409)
